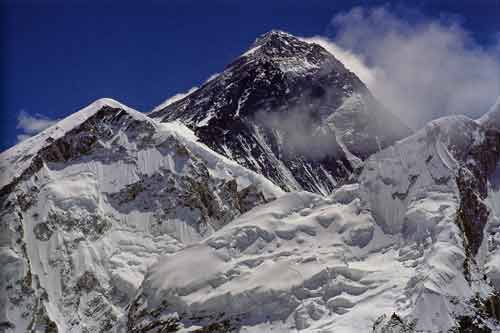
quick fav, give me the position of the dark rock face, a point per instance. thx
(270, 110)
(103, 125)
(212, 203)
(87, 282)
(468, 324)
(42, 231)
(479, 163)
(141, 320)
(477, 149)
(484, 312)
(491, 306)
(392, 324)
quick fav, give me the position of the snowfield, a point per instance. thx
(300, 262)
(304, 262)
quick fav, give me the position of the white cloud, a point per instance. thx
(419, 70)
(300, 133)
(351, 61)
(30, 125)
(22, 137)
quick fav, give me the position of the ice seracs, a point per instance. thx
(286, 265)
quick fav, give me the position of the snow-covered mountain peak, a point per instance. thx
(274, 33)
(88, 204)
(272, 37)
(247, 112)
(106, 101)
(77, 118)
(15, 160)
(99, 105)
(279, 43)
(290, 54)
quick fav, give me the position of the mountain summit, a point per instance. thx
(290, 110)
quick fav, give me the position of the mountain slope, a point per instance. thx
(411, 248)
(290, 111)
(117, 221)
(88, 204)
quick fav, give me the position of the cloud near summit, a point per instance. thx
(353, 62)
(30, 125)
(421, 70)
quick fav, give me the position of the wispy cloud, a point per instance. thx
(299, 133)
(353, 62)
(420, 70)
(22, 137)
(30, 125)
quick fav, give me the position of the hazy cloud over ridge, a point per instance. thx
(420, 70)
(32, 124)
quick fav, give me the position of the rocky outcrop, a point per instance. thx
(479, 161)
(392, 324)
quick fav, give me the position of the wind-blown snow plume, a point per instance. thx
(353, 62)
(211, 77)
(175, 98)
(32, 124)
(420, 70)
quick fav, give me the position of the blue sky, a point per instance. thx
(59, 56)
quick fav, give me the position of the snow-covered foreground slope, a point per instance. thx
(89, 204)
(302, 261)
(432, 190)
(411, 248)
